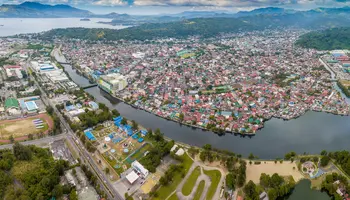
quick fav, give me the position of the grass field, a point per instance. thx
(215, 176)
(191, 181)
(139, 153)
(199, 190)
(165, 191)
(173, 197)
(20, 128)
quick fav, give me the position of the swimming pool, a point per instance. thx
(31, 105)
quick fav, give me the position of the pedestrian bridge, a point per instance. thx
(89, 86)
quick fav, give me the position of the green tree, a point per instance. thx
(73, 195)
(265, 180)
(272, 193)
(124, 121)
(181, 117)
(12, 139)
(22, 152)
(323, 152)
(324, 161)
(230, 181)
(251, 156)
(250, 190)
(135, 126)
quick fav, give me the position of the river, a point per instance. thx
(311, 133)
(335, 85)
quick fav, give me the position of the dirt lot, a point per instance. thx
(284, 169)
(24, 126)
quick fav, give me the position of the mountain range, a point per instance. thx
(38, 10)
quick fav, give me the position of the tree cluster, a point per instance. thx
(330, 186)
(161, 148)
(343, 159)
(41, 183)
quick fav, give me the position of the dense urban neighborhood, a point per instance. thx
(232, 85)
(58, 141)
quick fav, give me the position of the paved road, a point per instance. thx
(38, 142)
(84, 154)
(204, 177)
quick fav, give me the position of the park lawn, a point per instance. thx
(139, 153)
(191, 181)
(173, 197)
(215, 176)
(199, 190)
(165, 191)
(113, 163)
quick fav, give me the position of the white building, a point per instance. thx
(112, 83)
(140, 168)
(13, 71)
(132, 177)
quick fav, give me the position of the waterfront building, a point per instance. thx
(112, 83)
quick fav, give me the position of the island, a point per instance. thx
(85, 19)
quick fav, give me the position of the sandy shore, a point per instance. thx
(284, 169)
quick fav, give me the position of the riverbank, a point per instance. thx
(309, 133)
(245, 126)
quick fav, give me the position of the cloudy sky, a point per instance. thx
(175, 6)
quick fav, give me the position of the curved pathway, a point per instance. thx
(204, 177)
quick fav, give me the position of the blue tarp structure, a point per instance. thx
(89, 135)
(116, 140)
(135, 136)
(111, 135)
(140, 140)
(144, 132)
(69, 108)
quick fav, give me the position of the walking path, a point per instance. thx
(204, 177)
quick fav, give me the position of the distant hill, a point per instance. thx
(329, 39)
(205, 27)
(264, 11)
(38, 10)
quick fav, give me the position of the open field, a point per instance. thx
(270, 167)
(215, 176)
(24, 126)
(165, 191)
(191, 181)
(199, 190)
(173, 197)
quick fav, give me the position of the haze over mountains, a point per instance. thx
(38, 10)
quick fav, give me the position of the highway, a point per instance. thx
(85, 156)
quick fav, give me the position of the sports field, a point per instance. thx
(24, 126)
